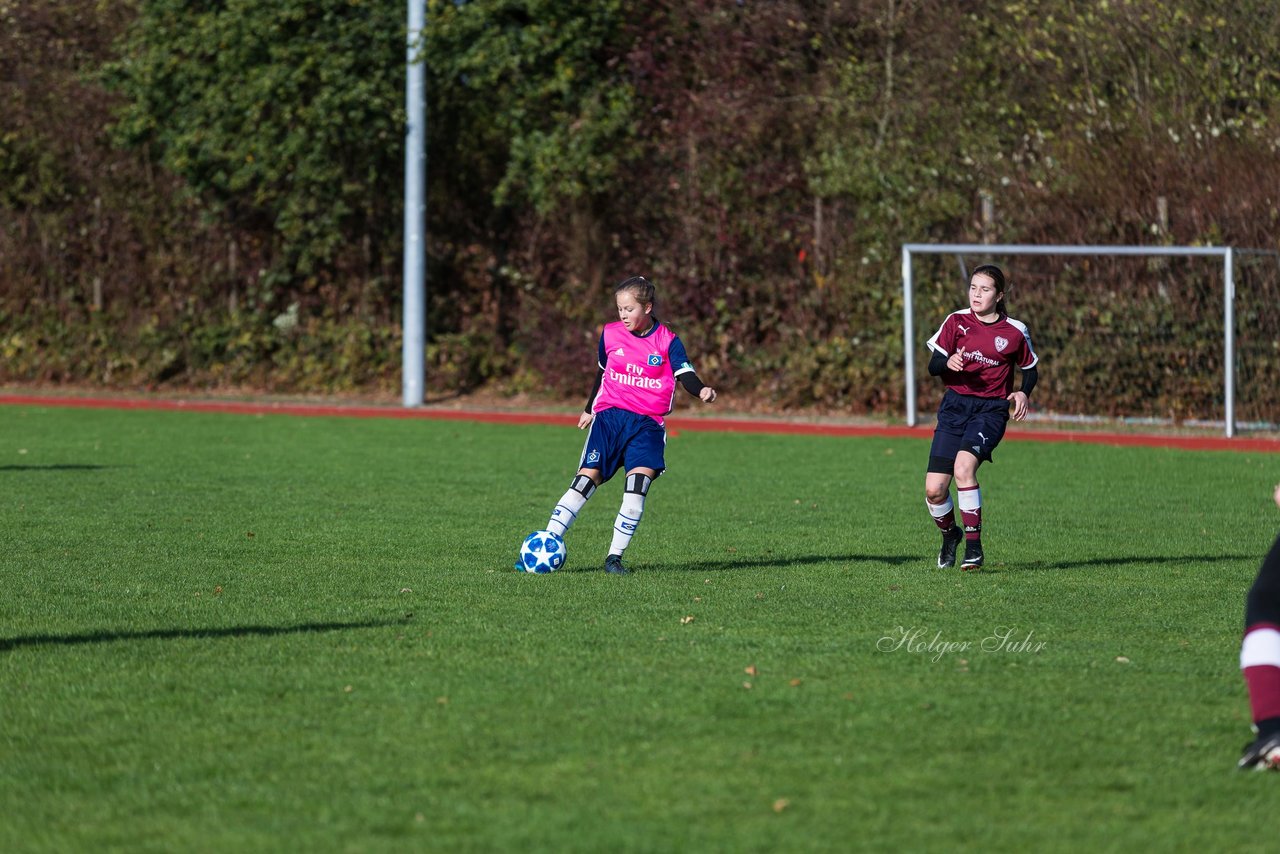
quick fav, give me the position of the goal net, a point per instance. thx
(1163, 336)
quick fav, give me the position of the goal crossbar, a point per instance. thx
(1226, 253)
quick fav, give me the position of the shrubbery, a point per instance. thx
(200, 196)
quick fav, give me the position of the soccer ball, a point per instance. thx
(542, 551)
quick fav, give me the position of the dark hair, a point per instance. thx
(641, 287)
(996, 274)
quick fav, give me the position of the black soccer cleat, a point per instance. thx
(1261, 754)
(972, 555)
(950, 540)
(613, 565)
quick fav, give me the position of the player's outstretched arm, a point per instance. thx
(1030, 376)
(1019, 401)
(585, 419)
(690, 382)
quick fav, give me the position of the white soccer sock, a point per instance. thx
(624, 527)
(570, 505)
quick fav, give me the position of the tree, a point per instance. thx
(285, 116)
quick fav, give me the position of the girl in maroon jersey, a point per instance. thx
(1260, 661)
(974, 352)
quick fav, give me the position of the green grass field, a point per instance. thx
(265, 633)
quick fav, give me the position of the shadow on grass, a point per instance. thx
(927, 562)
(782, 562)
(7, 644)
(56, 467)
(1037, 565)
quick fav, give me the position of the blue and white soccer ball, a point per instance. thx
(542, 551)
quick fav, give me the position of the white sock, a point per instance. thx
(624, 527)
(570, 505)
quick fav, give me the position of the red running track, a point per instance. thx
(675, 424)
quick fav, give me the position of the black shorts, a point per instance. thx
(966, 423)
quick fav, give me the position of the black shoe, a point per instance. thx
(950, 539)
(613, 564)
(1261, 754)
(972, 555)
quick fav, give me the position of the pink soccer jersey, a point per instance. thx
(639, 374)
(991, 351)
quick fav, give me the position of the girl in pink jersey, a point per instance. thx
(974, 352)
(640, 361)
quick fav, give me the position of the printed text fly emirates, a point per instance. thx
(633, 380)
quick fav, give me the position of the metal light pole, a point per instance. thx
(415, 207)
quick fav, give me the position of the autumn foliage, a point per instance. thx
(198, 196)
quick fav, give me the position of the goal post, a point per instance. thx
(1226, 254)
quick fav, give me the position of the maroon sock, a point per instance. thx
(1260, 663)
(1264, 691)
(947, 519)
(970, 501)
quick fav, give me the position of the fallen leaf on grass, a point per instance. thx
(781, 804)
(750, 670)
(686, 620)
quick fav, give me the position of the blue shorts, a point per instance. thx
(966, 423)
(622, 439)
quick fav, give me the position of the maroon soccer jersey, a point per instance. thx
(991, 350)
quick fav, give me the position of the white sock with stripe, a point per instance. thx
(570, 505)
(630, 513)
